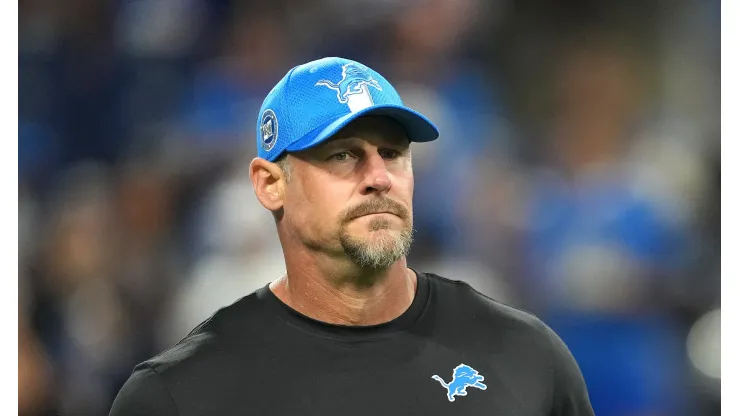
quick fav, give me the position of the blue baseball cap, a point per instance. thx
(317, 99)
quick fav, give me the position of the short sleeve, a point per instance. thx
(144, 393)
(570, 395)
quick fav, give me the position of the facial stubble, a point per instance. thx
(383, 246)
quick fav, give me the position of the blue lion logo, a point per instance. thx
(463, 376)
(352, 82)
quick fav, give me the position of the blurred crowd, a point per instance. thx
(577, 175)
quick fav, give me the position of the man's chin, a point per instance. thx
(371, 237)
(375, 255)
(376, 248)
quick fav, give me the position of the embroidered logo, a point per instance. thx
(463, 376)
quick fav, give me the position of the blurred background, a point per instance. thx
(577, 175)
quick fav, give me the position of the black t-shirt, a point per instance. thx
(453, 352)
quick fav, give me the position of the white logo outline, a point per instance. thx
(355, 81)
(469, 376)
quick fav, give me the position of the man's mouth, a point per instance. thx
(378, 212)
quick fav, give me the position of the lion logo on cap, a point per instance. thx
(355, 81)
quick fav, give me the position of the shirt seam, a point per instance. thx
(160, 377)
(551, 364)
(467, 285)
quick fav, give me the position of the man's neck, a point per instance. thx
(345, 294)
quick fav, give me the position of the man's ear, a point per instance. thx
(268, 181)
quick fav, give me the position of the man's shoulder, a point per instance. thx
(463, 298)
(197, 364)
(209, 342)
(535, 356)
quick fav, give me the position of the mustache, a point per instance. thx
(375, 206)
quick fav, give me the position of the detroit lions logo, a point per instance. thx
(463, 376)
(355, 81)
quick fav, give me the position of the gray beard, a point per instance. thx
(377, 253)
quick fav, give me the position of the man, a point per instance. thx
(350, 329)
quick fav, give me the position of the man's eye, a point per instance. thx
(340, 157)
(390, 153)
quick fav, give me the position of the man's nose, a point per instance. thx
(376, 175)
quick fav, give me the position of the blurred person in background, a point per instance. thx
(76, 307)
(435, 73)
(222, 225)
(210, 132)
(237, 237)
(229, 86)
(148, 265)
(34, 373)
(600, 248)
(101, 274)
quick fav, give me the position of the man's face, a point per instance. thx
(351, 196)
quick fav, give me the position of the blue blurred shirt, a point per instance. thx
(601, 238)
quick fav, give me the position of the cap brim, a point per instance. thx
(418, 127)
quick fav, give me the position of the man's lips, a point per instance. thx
(378, 212)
